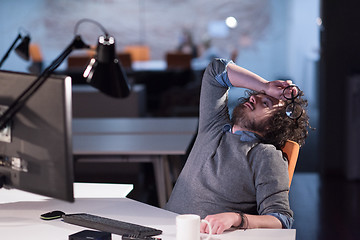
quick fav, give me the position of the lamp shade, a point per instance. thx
(104, 71)
(23, 48)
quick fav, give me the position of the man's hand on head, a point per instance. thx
(276, 88)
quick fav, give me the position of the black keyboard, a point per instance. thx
(110, 225)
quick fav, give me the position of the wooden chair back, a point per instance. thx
(291, 149)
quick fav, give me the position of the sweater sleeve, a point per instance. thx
(213, 97)
(271, 181)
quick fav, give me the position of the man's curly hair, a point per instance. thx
(282, 128)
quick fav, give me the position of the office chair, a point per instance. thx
(178, 60)
(36, 58)
(138, 52)
(81, 61)
(291, 149)
(125, 59)
(78, 61)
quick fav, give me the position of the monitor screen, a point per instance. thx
(36, 147)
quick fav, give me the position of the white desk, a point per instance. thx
(81, 190)
(101, 190)
(21, 220)
(134, 140)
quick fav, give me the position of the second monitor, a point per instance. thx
(36, 149)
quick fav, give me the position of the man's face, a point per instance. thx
(254, 113)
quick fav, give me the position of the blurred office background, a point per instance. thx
(312, 42)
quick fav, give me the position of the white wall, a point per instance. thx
(157, 23)
(304, 45)
(291, 48)
(274, 38)
(269, 57)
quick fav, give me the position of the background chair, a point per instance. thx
(36, 59)
(291, 149)
(78, 62)
(138, 52)
(125, 59)
(178, 60)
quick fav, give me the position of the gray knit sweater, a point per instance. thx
(228, 172)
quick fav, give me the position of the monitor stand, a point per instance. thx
(2, 180)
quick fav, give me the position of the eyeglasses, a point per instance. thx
(293, 109)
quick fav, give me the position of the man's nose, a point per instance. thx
(252, 99)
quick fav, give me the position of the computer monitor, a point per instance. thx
(36, 148)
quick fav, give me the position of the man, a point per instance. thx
(236, 175)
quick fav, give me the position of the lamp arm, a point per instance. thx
(8, 51)
(30, 90)
(92, 21)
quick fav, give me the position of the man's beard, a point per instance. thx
(241, 118)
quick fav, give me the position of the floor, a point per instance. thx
(325, 209)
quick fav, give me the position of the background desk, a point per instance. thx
(184, 125)
(135, 140)
(21, 220)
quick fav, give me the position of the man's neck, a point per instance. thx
(236, 128)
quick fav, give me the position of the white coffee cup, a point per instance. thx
(188, 227)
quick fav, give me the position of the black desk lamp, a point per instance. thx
(103, 72)
(22, 49)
